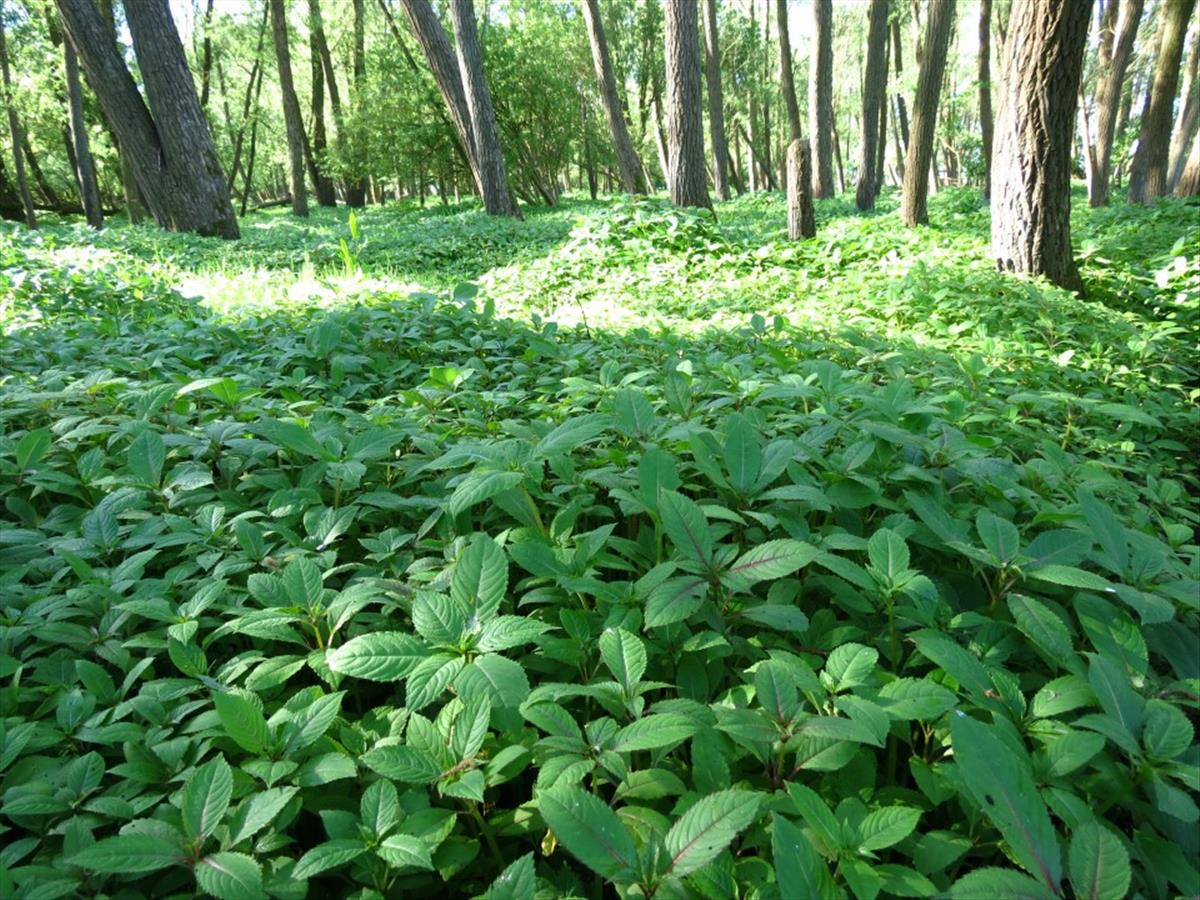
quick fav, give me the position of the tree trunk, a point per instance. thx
(1116, 52)
(255, 76)
(14, 129)
(1148, 171)
(686, 180)
(291, 109)
(627, 160)
(801, 222)
(356, 189)
(929, 82)
(820, 99)
(898, 69)
(440, 56)
(493, 175)
(873, 91)
(322, 183)
(785, 70)
(168, 144)
(985, 91)
(716, 103)
(1189, 181)
(85, 167)
(881, 149)
(206, 57)
(248, 178)
(1189, 117)
(768, 172)
(1031, 200)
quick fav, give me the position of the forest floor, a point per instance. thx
(177, 412)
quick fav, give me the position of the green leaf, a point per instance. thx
(230, 876)
(32, 447)
(242, 720)
(1106, 528)
(146, 455)
(384, 656)
(885, 827)
(401, 763)
(1167, 731)
(774, 559)
(686, 526)
(517, 882)
(206, 798)
(1002, 785)
(571, 435)
(708, 827)
(405, 850)
(1069, 576)
(743, 453)
(1099, 864)
(849, 666)
(302, 583)
(674, 600)
(999, 884)
(652, 732)
(1039, 623)
(480, 579)
(634, 414)
(888, 554)
(625, 656)
(1117, 697)
(131, 854)
(480, 485)
(657, 471)
(326, 856)
(590, 830)
(915, 698)
(799, 869)
(1000, 536)
(257, 811)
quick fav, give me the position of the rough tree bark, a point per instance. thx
(14, 129)
(493, 175)
(985, 91)
(801, 221)
(85, 166)
(686, 181)
(1117, 35)
(168, 143)
(628, 163)
(716, 103)
(1148, 171)
(820, 99)
(786, 82)
(874, 91)
(206, 57)
(1189, 181)
(1031, 179)
(1189, 117)
(291, 109)
(929, 82)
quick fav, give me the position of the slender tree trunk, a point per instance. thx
(985, 91)
(85, 167)
(686, 180)
(1148, 172)
(1031, 201)
(820, 98)
(492, 171)
(255, 75)
(356, 189)
(873, 92)
(322, 183)
(901, 106)
(1189, 117)
(801, 221)
(768, 171)
(881, 151)
(1116, 52)
(929, 82)
(785, 69)
(1189, 181)
(14, 129)
(206, 57)
(291, 109)
(39, 177)
(169, 145)
(716, 103)
(248, 178)
(627, 161)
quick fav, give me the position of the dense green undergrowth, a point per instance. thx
(886, 585)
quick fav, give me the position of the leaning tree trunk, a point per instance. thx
(493, 174)
(167, 143)
(874, 89)
(85, 166)
(319, 145)
(686, 181)
(14, 129)
(627, 161)
(786, 82)
(985, 91)
(924, 115)
(820, 98)
(716, 102)
(1148, 172)
(291, 109)
(1031, 199)
(1109, 81)
(1189, 117)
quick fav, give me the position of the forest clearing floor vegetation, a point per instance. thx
(627, 545)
